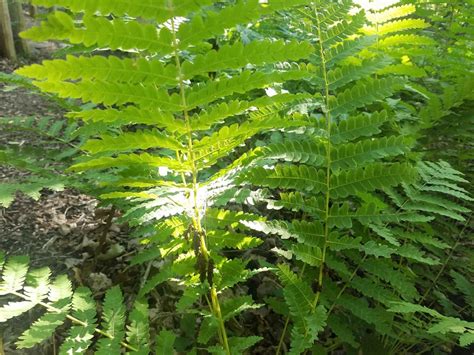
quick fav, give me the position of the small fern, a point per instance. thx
(26, 289)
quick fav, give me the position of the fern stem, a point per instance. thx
(282, 337)
(215, 306)
(218, 314)
(327, 114)
(446, 261)
(343, 289)
(75, 320)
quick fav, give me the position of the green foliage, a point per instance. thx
(364, 205)
(182, 93)
(33, 288)
(360, 213)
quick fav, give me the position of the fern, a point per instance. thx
(175, 110)
(394, 27)
(34, 289)
(182, 93)
(339, 176)
(39, 158)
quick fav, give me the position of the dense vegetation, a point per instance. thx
(340, 129)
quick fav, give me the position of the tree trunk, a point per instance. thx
(32, 9)
(18, 25)
(7, 45)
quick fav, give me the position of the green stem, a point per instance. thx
(282, 337)
(327, 115)
(218, 314)
(196, 219)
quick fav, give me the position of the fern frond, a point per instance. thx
(331, 13)
(165, 342)
(132, 141)
(138, 332)
(289, 177)
(217, 113)
(370, 178)
(219, 239)
(80, 337)
(403, 69)
(131, 115)
(400, 280)
(113, 322)
(309, 255)
(406, 39)
(238, 55)
(342, 30)
(366, 151)
(128, 35)
(126, 160)
(364, 125)
(391, 13)
(307, 320)
(347, 48)
(397, 26)
(362, 94)
(45, 326)
(14, 274)
(242, 83)
(339, 77)
(305, 151)
(215, 22)
(102, 68)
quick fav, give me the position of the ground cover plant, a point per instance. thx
(256, 143)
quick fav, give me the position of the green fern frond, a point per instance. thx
(332, 13)
(362, 94)
(351, 155)
(165, 342)
(45, 326)
(299, 298)
(342, 30)
(364, 125)
(128, 35)
(14, 274)
(306, 152)
(406, 39)
(126, 160)
(345, 49)
(138, 330)
(391, 13)
(113, 321)
(61, 304)
(289, 177)
(131, 115)
(155, 10)
(132, 141)
(397, 26)
(80, 337)
(403, 69)
(309, 255)
(339, 77)
(370, 178)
